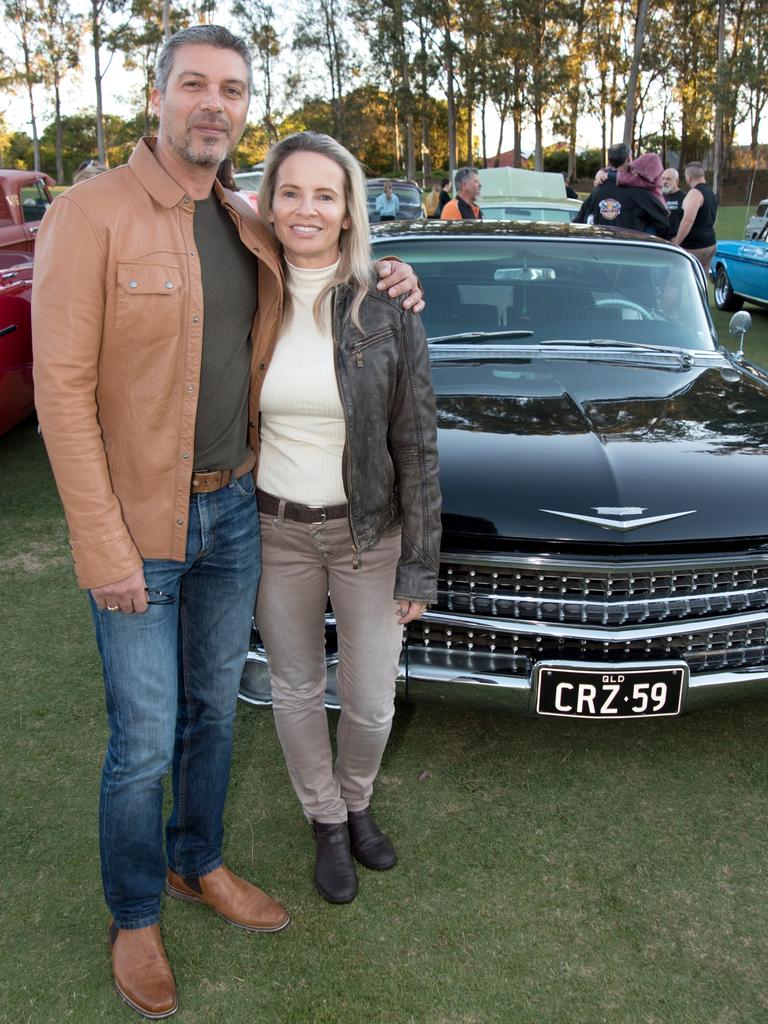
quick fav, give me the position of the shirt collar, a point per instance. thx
(157, 181)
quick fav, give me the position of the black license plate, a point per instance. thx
(606, 692)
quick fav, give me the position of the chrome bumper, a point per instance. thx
(442, 677)
(475, 681)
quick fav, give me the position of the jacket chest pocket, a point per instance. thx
(357, 349)
(148, 302)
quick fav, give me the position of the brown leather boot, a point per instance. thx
(234, 899)
(141, 970)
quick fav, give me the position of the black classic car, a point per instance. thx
(604, 474)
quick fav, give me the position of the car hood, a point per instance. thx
(541, 442)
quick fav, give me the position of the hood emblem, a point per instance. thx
(604, 517)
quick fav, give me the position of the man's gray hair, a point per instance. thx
(695, 169)
(206, 35)
(462, 175)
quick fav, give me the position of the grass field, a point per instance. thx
(550, 872)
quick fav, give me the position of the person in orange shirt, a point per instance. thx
(463, 207)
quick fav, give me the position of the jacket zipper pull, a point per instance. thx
(355, 559)
(358, 356)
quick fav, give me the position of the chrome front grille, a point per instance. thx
(520, 611)
(601, 597)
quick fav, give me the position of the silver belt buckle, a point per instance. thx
(319, 522)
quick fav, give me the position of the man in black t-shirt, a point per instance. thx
(697, 228)
(673, 197)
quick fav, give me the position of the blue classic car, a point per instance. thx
(740, 273)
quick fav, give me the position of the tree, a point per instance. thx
(257, 21)
(60, 31)
(545, 64)
(140, 39)
(574, 64)
(101, 36)
(752, 68)
(634, 71)
(22, 19)
(321, 33)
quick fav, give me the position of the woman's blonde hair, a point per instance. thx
(354, 248)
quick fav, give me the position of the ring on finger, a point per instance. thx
(113, 607)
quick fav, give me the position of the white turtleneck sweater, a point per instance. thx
(302, 420)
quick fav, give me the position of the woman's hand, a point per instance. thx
(398, 279)
(406, 611)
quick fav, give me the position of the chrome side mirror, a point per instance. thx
(741, 322)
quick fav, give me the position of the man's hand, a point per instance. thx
(126, 595)
(406, 611)
(600, 177)
(399, 279)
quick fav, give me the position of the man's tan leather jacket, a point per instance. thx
(118, 325)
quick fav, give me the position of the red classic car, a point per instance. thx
(24, 198)
(16, 391)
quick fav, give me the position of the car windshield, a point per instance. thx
(249, 181)
(539, 290)
(558, 215)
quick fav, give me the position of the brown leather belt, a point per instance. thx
(204, 483)
(315, 515)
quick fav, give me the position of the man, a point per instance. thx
(623, 206)
(619, 157)
(387, 204)
(147, 282)
(696, 232)
(673, 197)
(467, 182)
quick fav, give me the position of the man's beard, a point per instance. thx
(201, 155)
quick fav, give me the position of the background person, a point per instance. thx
(570, 191)
(387, 204)
(348, 454)
(673, 197)
(445, 195)
(432, 202)
(696, 232)
(633, 205)
(618, 156)
(463, 207)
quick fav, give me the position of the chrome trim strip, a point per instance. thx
(577, 632)
(643, 568)
(582, 600)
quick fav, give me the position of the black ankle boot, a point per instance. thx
(368, 843)
(335, 875)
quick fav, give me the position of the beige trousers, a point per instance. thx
(301, 565)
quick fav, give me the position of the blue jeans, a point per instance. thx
(171, 678)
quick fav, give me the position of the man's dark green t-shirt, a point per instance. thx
(230, 296)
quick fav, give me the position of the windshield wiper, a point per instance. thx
(481, 334)
(684, 355)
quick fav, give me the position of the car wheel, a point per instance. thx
(725, 297)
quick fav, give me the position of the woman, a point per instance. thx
(432, 202)
(348, 454)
